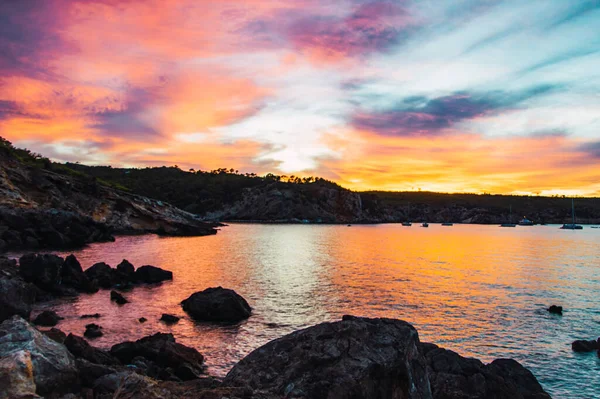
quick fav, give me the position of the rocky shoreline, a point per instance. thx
(353, 358)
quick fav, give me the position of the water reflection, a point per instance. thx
(479, 290)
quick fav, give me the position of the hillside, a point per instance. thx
(43, 204)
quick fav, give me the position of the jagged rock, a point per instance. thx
(93, 331)
(352, 358)
(53, 366)
(152, 274)
(118, 298)
(80, 348)
(129, 383)
(41, 270)
(585, 346)
(169, 318)
(16, 376)
(103, 273)
(555, 309)
(72, 275)
(126, 269)
(16, 298)
(89, 372)
(162, 349)
(217, 304)
(47, 318)
(56, 335)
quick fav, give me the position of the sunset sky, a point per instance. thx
(476, 96)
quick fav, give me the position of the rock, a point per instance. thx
(41, 270)
(93, 331)
(151, 274)
(129, 384)
(91, 316)
(142, 320)
(53, 366)
(217, 304)
(103, 273)
(162, 349)
(118, 298)
(89, 372)
(80, 348)
(16, 376)
(56, 335)
(555, 309)
(352, 358)
(16, 298)
(72, 275)
(585, 346)
(47, 318)
(169, 318)
(126, 269)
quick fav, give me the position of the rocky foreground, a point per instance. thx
(40, 208)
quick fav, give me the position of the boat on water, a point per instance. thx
(447, 224)
(572, 226)
(525, 222)
(510, 224)
(425, 224)
(407, 224)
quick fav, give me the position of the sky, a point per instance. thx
(495, 96)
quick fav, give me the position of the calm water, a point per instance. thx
(479, 290)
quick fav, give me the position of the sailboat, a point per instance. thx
(407, 224)
(511, 224)
(572, 226)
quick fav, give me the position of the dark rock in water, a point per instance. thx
(16, 298)
(80, 348)
(142, 319)
(126, 269)
(152, 274)
(47, 318)
(93, 331)
(72, 275)
(118, 298)
(585, 346)
(169, 318)
(103, 273)
(375, 358)
(91, 316)
(162, 350)
(16, 376)
(41, 270)
(217, 304)
(53, 366)
(555, 309)
(56, 335)
(353, 358)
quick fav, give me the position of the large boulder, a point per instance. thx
(217, 304)
(41, 270)
(47, 318)
(103, 274)
(72, 275)
(152, 274)
(54, 367)
(16, 376)
(80, 348)
(352, 358)
(16, 298)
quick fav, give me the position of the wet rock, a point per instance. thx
(355, 357)
(91, 316)
(152, 274)
(102, 273)
(555, 309)
(53, 366)
(56, 335)
(48, 318)
(162, 350)
(89, 372)
(72, 275)
(80, 348)
(16, 298)
(16, 376)
(118, 298)
(585, 346)
(41, 270)
(217, 304)
(169, 318)
(93, 331)
(126, 269)
(142, 320)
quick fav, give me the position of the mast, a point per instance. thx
(573, 209)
